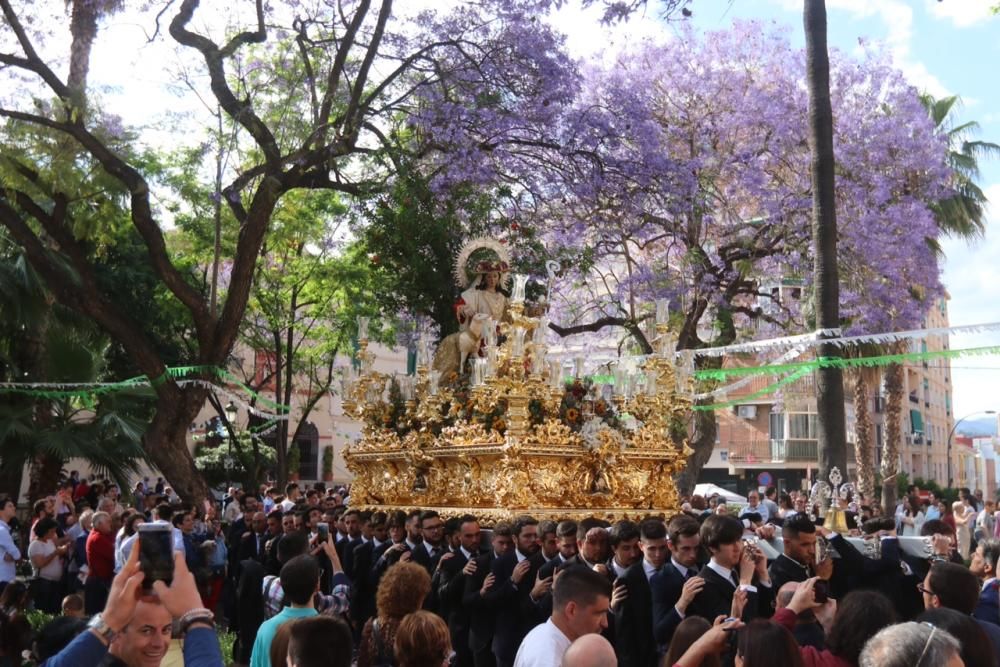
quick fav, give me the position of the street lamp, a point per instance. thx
(232, 412)
(952, 432)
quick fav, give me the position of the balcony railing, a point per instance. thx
(753, 452)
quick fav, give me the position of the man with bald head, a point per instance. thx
(807, 631)
(590, 650)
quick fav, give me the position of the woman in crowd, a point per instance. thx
(47, 566)
(401, 592)
(963, 518)
(913, 516)
(859, 617)
(686, 634)
(422, 640)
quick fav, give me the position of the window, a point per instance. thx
(802, 427)
(776, 422)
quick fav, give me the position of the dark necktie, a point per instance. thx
(734, 579)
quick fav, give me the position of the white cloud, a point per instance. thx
(971, 274)
(962, 13)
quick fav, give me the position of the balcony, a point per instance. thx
(755, 452)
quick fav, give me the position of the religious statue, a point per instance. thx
(481, 269)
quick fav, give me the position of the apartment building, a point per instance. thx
(772, 439)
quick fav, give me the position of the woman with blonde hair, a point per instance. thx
(963, 517)
(401, 592)
(422, 640)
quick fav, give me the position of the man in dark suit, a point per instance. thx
(634, 643)
(363, 598)
(566, 542)
(449, 584)
(984, 566)
(346, 547)
(514, 595)
(623, 538)
(482, 616)
(252, 543)
(733, 566)
(433, 546)
(953, 586)
(674, 587)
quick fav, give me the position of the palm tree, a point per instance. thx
(41, 341)
(962, 214)
(831, 421)
(959, 216)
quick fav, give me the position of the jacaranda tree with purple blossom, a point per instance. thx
(316, 94)
(704, 194)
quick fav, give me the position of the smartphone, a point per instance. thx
(821, 591)
(156, 553)
(323, 531)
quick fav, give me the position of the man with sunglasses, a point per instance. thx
(955, 587)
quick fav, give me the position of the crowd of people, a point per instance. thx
(303, 578)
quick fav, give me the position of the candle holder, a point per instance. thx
(520, 282)
(363, 328)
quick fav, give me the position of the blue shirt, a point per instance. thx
(8, 568)
(261, 655)
(932, 513)
(201, 649)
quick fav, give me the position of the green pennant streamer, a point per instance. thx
(89, 392)
(839, 362)
(769, 389)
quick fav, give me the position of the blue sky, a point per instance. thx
(944, 48)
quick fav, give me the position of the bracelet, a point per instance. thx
(200, 615)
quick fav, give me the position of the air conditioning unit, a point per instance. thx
(746, 411)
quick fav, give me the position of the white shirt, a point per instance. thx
(287, 505)
(760, 509)
(680, 568)
(727, 574)
(544, 646)
(53, 571)
(126, 549)
(520, 556)
(619, 571)
(8, 570)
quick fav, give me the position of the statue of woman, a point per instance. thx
(483, 297)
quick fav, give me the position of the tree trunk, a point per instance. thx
(706, 427)
(166, 441)
(831, 422)
(863, 450)
(893, 436)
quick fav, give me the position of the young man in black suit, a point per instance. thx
(363, 598)
(482, 616)
(634, 643)
(733, 566)
(433, 546)
(566, 542)
(449, 583)
(677, 583)
(514, 595)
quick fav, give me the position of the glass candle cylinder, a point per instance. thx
(478, 371)
(578, 367)
(520, 282)
(662, 311)
(539, 335)
(424, 351)
(433, 380)
(555, 373)
(363, 327)
(665, 345)
(491, 361)
(517, 347)
(651, 383)
(538, 361)
(621, 381)
(490, 332)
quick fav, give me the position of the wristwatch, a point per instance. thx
(101, 629)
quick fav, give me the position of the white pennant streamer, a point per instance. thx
(235, 398)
